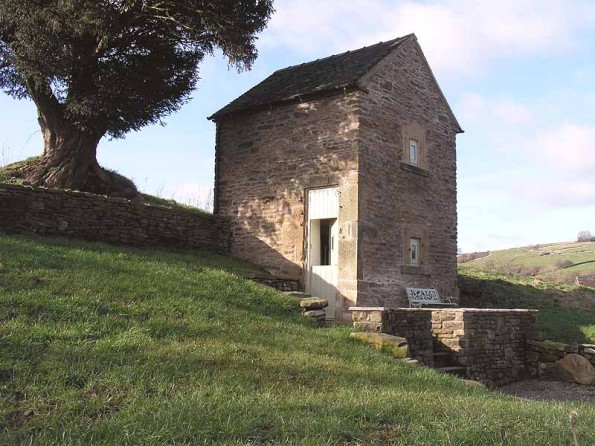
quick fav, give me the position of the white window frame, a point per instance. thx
(414, 251)
(413, 151)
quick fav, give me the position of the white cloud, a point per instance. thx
(557, 193)
(512, 113)
(458, 36)
(474, 108)
(568, 149)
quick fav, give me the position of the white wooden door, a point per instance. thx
(323, 246)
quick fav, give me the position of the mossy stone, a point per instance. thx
(395, 346)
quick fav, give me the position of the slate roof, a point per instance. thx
(323, 75)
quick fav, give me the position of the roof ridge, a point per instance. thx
(392, 42)
(327, 74)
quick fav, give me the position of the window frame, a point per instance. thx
(415, 251)
(414, 135)
(413, 150)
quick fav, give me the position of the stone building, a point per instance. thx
(341, 173)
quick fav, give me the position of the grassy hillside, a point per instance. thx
(566, 312)
(556, 261)
(102, 345)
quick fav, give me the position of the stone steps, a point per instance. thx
(298, 294)
(442, 359)
(312, 307)
(445, 362)
(453, 370)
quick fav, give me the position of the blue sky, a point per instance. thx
(519, 75)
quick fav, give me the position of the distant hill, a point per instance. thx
(561, 262)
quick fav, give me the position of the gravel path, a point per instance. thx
(534, 389)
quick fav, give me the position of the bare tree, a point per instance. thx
(585, 236)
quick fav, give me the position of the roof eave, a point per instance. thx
(217, 116)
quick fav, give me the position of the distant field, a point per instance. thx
(560, 262)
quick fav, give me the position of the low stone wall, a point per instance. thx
(542, 354)
(278, 284)
(490, 344)
(29, 210)
(415, 326)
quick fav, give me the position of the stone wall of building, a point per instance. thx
(52, 212)
(398, 200)
(490, 344)
(267, 160)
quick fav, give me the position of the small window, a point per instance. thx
(414, 251)
(413, 152)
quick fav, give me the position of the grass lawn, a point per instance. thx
(566, 312)
(102, 345)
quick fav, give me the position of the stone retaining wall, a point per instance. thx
(416, 326)
(278, 284)
(490, 344)
(543, 354)
(52, 212)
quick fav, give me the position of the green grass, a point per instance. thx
(560, 262)
(111, 346)
(566, 312)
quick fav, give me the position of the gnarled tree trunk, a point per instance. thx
(70, 157)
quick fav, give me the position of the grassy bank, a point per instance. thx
(102, 345)
(566, 312)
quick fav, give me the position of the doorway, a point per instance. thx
(323, 246)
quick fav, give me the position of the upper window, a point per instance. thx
(413, 152)
(414, 146)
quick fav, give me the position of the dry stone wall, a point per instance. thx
(415, 326)
(542, 354)
(278, 284)
(490, 344)
(29, 210)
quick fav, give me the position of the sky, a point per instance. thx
(518, 74)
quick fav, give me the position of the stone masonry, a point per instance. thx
(265, 163)
(398, 200)
(30, 210)
(415, 326)
(345, 121)
(492, 345)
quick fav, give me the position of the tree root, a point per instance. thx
(96, 180)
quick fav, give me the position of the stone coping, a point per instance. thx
(460, 310)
